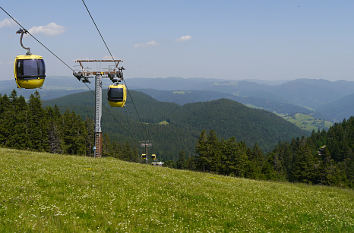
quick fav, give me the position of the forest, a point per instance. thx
(325, 157)
(29, 126)
(174, 128)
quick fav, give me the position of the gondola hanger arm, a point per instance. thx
(24, 31)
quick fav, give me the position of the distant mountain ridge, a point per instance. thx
(339, 109)
(192, 96)
(307, 96)
(314, 92)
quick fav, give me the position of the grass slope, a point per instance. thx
(56, 193)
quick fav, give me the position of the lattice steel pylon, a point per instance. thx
(98, 116)
(83, 76)
(146, 144)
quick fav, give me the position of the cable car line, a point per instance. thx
(37, 39)
(27, 32)
(109, 51)
(99, 32)
(148, 135)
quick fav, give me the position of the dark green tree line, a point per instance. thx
(229, 157)
(27, 125)
(326, 157)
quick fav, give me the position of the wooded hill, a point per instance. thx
(174, 128)
(182, 97)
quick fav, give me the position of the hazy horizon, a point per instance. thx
(206, 78)
(229, 40)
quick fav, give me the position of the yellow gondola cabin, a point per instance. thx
(29, 71)
(117, 95)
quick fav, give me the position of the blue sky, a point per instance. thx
(226, 39)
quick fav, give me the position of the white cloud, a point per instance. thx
(151, 43)
(7, 23)
(184, 38)
(51, 29)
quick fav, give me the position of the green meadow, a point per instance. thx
(307, 122)
(41, 192)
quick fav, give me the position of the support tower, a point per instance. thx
(84, 75)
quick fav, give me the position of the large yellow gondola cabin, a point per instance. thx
(117, 95)
(29, 71)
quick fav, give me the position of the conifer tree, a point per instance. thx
(229, 149)
(19, 137)
(202, 150)
(181, 162)
(54, 135)
(256, 161)
(89, 140)
(37, 129)
(5, 119)
(241, 160)
(303, 165)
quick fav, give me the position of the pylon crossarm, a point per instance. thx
(115, 74)
(95, 60)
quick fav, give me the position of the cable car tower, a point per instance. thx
(116, 76)
(145, 144)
